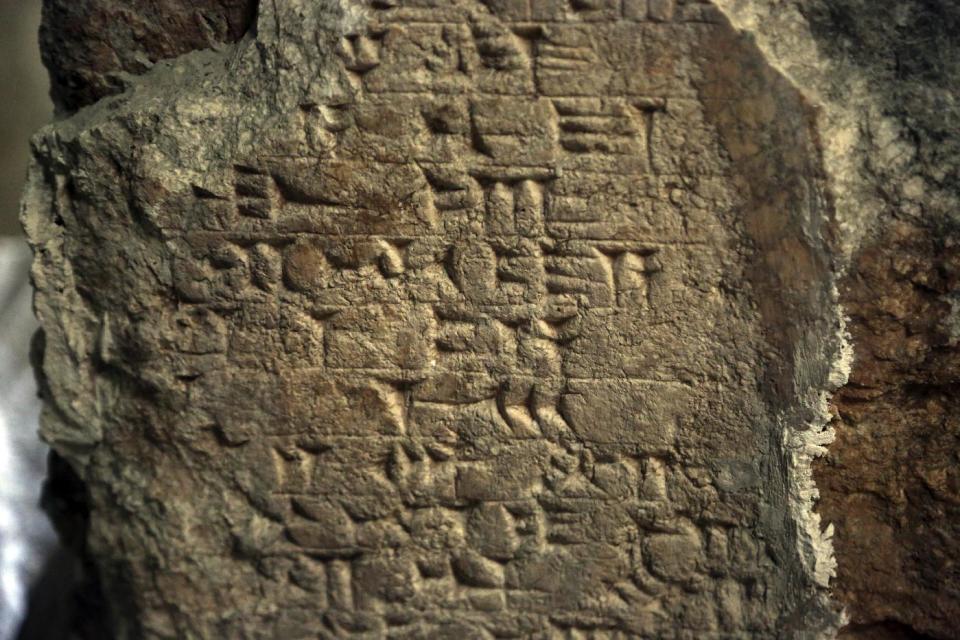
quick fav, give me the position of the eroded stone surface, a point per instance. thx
(435, 319)
(93, 47)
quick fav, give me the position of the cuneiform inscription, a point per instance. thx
(549, 11)
(447, 343)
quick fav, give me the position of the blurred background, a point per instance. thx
(26, 539)
(24, 104)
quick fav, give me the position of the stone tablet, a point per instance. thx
(444, 319)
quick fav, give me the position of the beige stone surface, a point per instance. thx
(424, 319)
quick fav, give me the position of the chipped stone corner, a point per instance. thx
(781, 32)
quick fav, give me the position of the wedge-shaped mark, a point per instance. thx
(361, 53)
(256, 193)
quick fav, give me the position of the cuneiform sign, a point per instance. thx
(437, 319)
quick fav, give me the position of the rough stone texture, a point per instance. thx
(891, 483)
(94, 47)
(434, 319)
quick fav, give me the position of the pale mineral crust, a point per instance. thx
(445, 318)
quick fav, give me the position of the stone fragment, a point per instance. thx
(436, 319)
